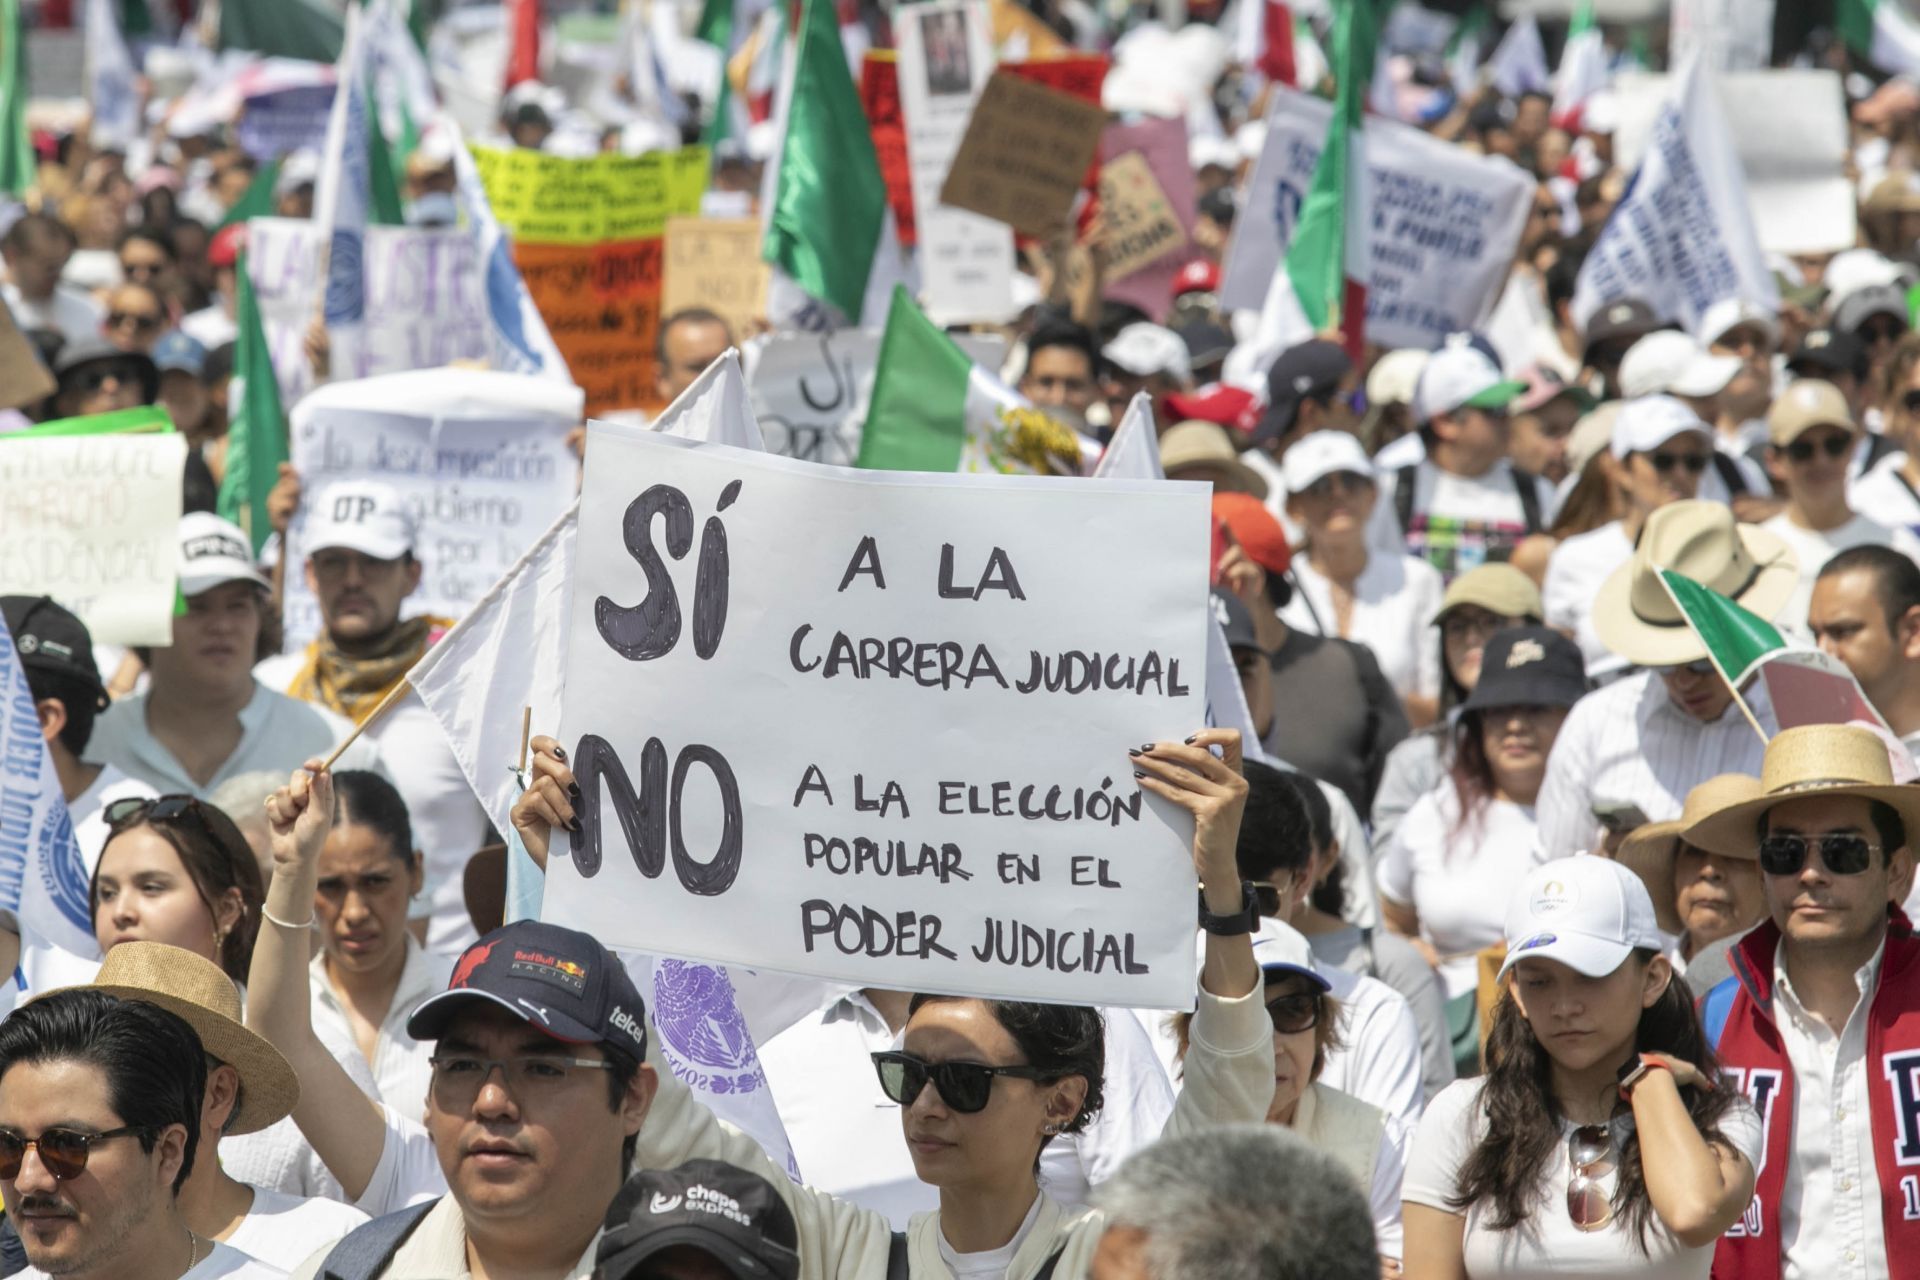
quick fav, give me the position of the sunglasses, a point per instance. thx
(1590, 1152)
(1832, 446)
(1267, 895)
(139, 321)
(1845, 853)
(1293, 1014)
(1701, 667)
(1664, 462)
(131, 810)
(964, 1086)
(95, 378)
(63, 1151)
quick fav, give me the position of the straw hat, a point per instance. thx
(1812, 760)
(1499, 588)
(195, 989)
(1649, 852)
(1203, 451)
(1637, 619)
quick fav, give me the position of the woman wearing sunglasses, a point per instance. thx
(176, 870)
(984, 1085)
(1598, 1143)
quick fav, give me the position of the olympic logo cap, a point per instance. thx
(1588, 912)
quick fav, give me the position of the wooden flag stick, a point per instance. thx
(381, 708)
(526, 730)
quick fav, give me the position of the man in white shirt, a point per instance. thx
(1812, 436)
(57, 655)
(1464, 504)
(204, 718)
(1649, 738)
(361, 567)
(36, 249)
(1865, 611)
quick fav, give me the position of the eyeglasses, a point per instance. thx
(1701, 667)
(1339, 481)
(63, 1151)
(1664, 462)
(1845, 853)
(457, 1077)
(1590, 1152)
(92, 379)
(1293, 1014)
(1465, 626)
(1267, 894)
(1832, 446)
(137, 319)
(965, 1086)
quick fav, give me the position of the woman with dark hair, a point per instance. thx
(176, 870)
(1597, 1144)
(1444, 875)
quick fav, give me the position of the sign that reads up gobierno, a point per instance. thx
(873, 726)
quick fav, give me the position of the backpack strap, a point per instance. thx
(1878, 447)
(897, 1256)
(1729, 473)
(366, 1251)
(1403, 485)
(1527, 489)
(1046, 1268)
(1716, 1006)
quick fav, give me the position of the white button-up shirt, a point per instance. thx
(1575, 571)
(400, 1067)
(1830, 1225)
(1630, 742)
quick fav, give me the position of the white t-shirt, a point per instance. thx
(1394, 600)
(1575, 571)
(989, 1264)
(1816, 547)
(284, 1230)
(1458, 522)
(1884, 495)
(87, 809)
(1458, 879)
(1547, 1246)
(223, 1262)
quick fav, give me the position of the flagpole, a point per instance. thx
(1745, 710)
(380, 709)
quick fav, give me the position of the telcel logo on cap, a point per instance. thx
(1554, 897)
(624, 1021)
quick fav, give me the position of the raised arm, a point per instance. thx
(1698, 1188)
(343, 1124)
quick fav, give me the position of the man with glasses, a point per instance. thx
(1820, 1024)
(148, 257)
(94, 376)
(135, 317)
(1811, 438)
(1653, 735)
(100, 1112)
(36, 249)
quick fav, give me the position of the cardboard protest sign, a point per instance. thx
(1024, 153)
(957, 815)
(1141, 225)
(480, 458)
(23, 379)
(93, 520)
(589, 239)
(1446, 223)
(810, 390)
(1147, 197)
(715, 263)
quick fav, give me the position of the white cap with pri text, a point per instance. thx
(1587, 912)
(214, 552)
(361, 515)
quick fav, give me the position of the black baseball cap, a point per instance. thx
(560, 980)
(1234, 619)
(51, 639)
(1620, 323)
(733, 1216)
(1825, 352)
(1310, 371)
(1529, 667)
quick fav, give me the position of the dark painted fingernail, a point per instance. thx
(1138, 774)
(1133, 751)
(573, 789)
(1189, 740)
(573, 825)
(559, 753)
(1146, 746)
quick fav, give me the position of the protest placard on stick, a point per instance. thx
(946, 804)
(1141, 225)
(1024, 154)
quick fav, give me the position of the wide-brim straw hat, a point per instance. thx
(1637, 619)
(1649, 852)
(1206, 447)
(1812, 760)
(197, 991)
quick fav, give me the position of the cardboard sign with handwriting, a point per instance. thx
(1024, 155)
(1141, 226)
(715, 263)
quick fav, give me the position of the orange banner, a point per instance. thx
(602, 304)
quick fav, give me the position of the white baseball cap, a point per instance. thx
(1645, 424)
(1280, 949)
(1672, 362)
(1144, 349)
(1322, 453)
(1729, 313)
(214, 552)
(1589, 913)
(1395, 376)
(1461, 375)
(361, 515)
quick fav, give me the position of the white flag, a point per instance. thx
(43, 878)
(1519, 61)
(111, 90)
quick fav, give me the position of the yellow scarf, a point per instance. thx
(354, 684)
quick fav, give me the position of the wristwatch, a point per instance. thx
(1636, 1070)
(1242, 922)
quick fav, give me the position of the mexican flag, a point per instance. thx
(1330, 259)
(1884, 32)
(934, 409)
(311, 30)
(257, 431)
(1583, 69)
(1805, 686)
(18, 165)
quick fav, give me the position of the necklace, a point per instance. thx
(193, 1252)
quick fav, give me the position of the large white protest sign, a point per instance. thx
(480, 458)
(892, 751)
(1446, 223)
(810, 390)
(94, 522)
(966, 261)
(1682, 237)
(1789, 129)
(426, 302)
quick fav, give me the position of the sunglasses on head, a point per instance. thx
(964, 1086)
(1664, 462)
(1590, 1152)
(63, 1151)
(1832, 446)
(1844, 853)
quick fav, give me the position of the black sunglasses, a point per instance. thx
(1664, 462)
(1845, 853)
(142, 322)
(964, 1086)
(63, 1151)
(1293, 1014)
(131, 810)
(95, 378)
(1911, 401)
(1832, 446)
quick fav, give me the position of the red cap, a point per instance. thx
(1198, 276)
(227, 243)
(1220, 404)
(1254, 529)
